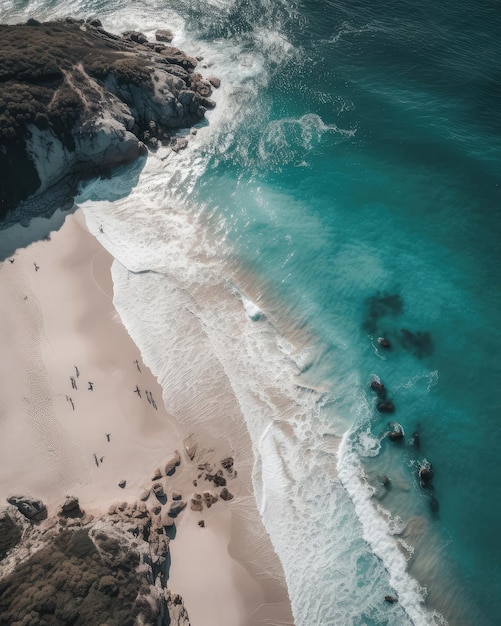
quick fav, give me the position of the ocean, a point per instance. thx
(346, 187)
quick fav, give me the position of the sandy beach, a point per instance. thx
(80, 413)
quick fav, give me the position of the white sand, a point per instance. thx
(61, 316)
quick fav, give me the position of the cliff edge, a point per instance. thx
(76, 101)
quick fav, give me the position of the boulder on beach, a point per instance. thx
(170, 466)
(225, 494)
(196, 505)
(176, 508)
(190, 443)
(157, 474)
(71, 507)
(158, 490)
(31, 508)
(209, 499)
(227, 463)
(164, 34)
(218, 479)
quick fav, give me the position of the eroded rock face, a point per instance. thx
(76, 100)
(107, 570)
(10, 533)
(68, 582)
(177, 611)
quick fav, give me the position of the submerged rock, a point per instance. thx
(383, 342)
(396, 433)
(386, 406)
(379, 388)
(425, 474)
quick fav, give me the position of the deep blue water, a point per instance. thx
(360, 184)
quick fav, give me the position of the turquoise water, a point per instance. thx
(355, 175)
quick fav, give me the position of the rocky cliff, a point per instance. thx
(76, 101)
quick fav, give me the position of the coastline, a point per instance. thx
(59, 323)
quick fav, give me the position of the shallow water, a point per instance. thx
(348, 185)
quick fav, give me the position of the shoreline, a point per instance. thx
(60, 323)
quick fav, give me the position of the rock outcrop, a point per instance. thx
(31, 508)
(10, 532)
(76, 101)
(71, 507)
(111, 570)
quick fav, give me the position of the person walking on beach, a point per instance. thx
(76, 371)
(73, 382)
(138, 391)
(37, 267)
(137, 365)
(91, 386)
